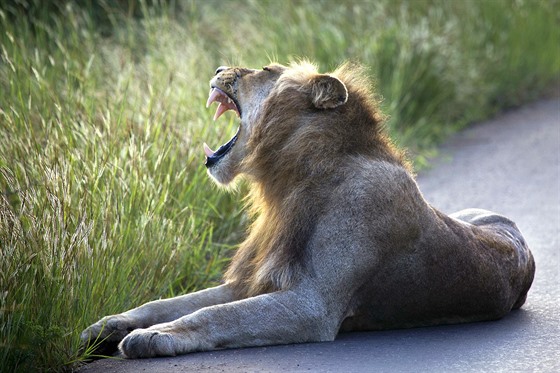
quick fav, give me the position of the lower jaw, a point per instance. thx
(220, 177)
(223, 151)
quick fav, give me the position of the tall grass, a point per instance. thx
(104, 201)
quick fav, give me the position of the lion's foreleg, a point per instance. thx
(277, 318)
(112, 329)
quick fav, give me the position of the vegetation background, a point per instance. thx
(104, 201)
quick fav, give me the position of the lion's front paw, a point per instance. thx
(148, 343)
(105, 335)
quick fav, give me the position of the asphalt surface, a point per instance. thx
(510, 165)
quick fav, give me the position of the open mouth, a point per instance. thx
(225, 103)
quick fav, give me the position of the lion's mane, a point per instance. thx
(293, 163)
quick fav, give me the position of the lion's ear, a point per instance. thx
(327, 92)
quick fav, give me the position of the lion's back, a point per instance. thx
(429, 268)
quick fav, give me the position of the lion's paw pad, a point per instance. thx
(147, 343)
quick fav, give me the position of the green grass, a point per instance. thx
(104, 200)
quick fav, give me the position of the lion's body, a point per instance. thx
(342, 238)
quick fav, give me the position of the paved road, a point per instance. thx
(510, 165)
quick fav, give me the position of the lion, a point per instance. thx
(341, 237)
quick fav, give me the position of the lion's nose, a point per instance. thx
(220, 69)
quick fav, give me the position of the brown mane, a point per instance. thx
(294, 158)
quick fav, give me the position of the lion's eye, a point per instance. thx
(266, 68)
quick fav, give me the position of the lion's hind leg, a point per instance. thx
(480, 217)
(505, 234)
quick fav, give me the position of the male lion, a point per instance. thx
(342, 238)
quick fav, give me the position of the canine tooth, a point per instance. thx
(221, 109)
(214, 93)
(207, 150)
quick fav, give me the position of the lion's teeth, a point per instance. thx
(225, 103)
(208, 151)
(214, 93)
(220, 110)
